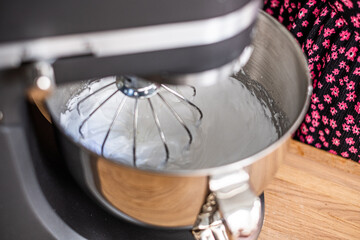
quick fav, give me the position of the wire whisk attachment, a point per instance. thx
(140, 90)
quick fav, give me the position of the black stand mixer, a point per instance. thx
(45, 44)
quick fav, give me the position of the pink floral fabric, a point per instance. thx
(329, 35)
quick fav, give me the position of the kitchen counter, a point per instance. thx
(315, 195)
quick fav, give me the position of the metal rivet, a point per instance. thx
(43, 82)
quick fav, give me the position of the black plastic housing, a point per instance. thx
(23, 20)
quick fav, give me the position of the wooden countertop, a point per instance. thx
(315, 195)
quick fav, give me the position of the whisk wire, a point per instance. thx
(161, 132)
(178, 117)
(94, 111)
(135, 123)
(93, 93)
(118, 110)
(181, 97)
(194, 90)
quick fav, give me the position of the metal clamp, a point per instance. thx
(210, 225)
(232, 211)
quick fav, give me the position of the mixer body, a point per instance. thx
(206, 44)
(159, 39)
(174, 199)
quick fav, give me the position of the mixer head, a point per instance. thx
(159, 40)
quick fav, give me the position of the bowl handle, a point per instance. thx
(232, 211)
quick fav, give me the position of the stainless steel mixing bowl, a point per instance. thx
(174, 199)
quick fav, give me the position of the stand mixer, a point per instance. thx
(149, 47)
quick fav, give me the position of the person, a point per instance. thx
(329, 35)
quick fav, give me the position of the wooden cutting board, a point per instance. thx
(315, 195)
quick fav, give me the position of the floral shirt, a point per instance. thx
(329, 35)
